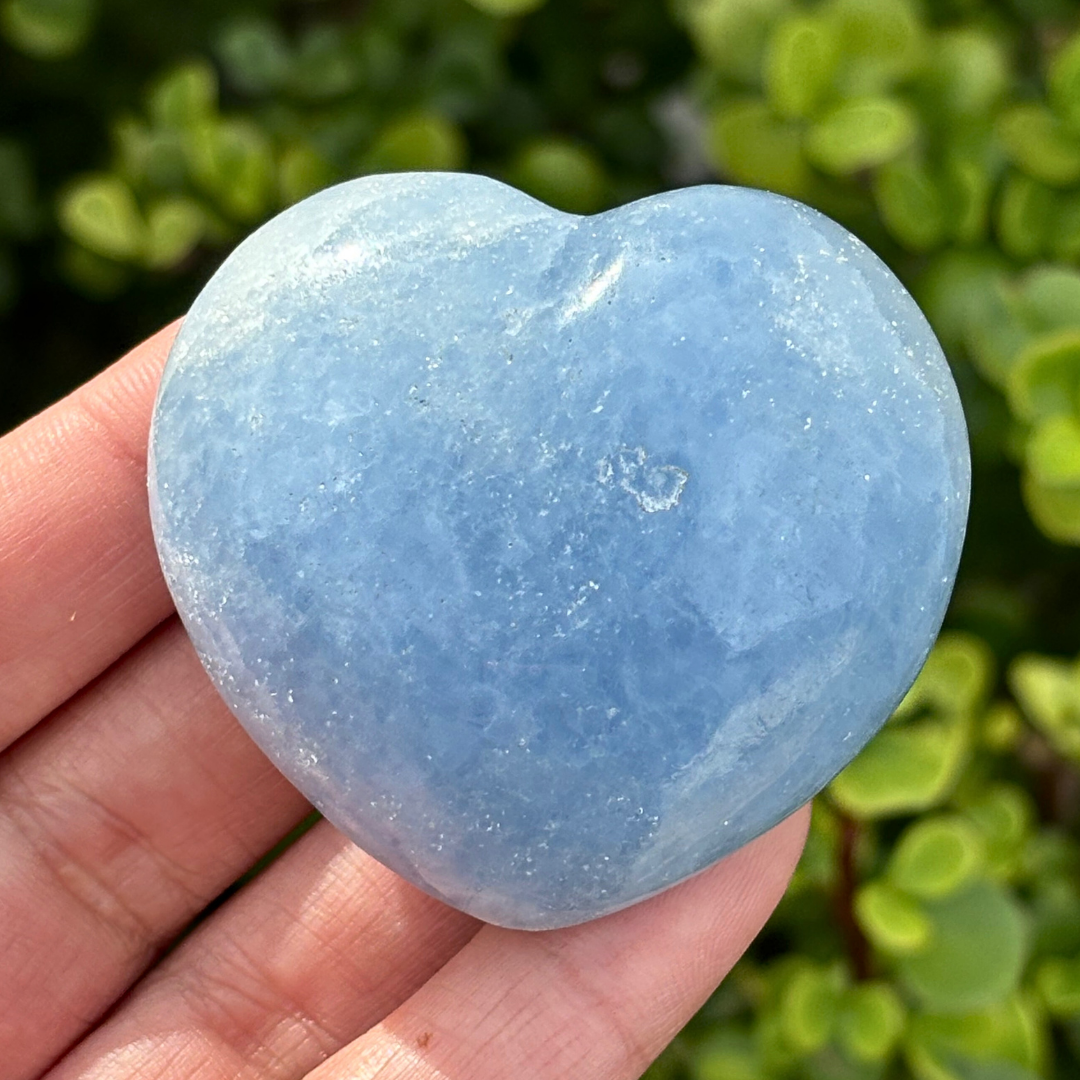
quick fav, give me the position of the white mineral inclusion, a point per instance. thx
(553, 558)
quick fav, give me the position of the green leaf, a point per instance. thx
(911, 204)
(507, 8)
(186, 97)
(1045, 378)
(255, 54)
(799, 65)
(1003, 727)
(749, 144)
(955, 679)
(994, 337)
(1025, 217)
(231, 161)
(563, 174)
(1040, 144)
(731, 35)
(1053, 452)
(1048, 298)
(418, 142)
(1004, 814)
(976, 952)
(302, 172)
(324, 67)
(175, 225)
(895, 922)
(968, 71)
(100, 212)
(808, 1008)
(871, 1021)
(936, 856)
(1048, 690)
(18, 209)
(861, 134)
(1065, 231)
(967, 190)
(150, 156)
(960, 291)
(1058, 983)
(881, 42)
(728, 1055)
(1005, 1035)
(905, 768)
(48, 29)
(1055, 510)
(1063, 83)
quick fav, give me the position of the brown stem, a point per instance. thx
(1057, 783)
(858, 948)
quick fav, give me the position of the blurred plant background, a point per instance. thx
(933, 927)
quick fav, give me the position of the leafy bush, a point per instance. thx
(933, 927)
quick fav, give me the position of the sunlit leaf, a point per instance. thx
(871, 1021)
(753, 147)
(799, 64)
(968, 71)
(417, 142)
(955, 678)
(1005, 1036)
(1025, 217)
(861, 134)
(1055, 510)
(1045, 379)
(185, 97)
(905, 768)
(1040, 144)
(561, 173)
(100, 212)
(808, 1008)
(231, 160)
(174, 226)
(894, 921)
(1058, 983)
(912, 204)
(936, 856)
(1063, 83)
(881, 42)
(731, 35)
(1048, 690)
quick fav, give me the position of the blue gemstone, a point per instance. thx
(554, 558)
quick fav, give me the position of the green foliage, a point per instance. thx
(932, 930)
(47, 29)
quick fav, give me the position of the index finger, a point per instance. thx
(79, 579)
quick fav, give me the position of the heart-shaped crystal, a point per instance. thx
(553, 557)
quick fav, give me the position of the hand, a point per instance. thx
(130, 798)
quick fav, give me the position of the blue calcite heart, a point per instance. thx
(552, 557)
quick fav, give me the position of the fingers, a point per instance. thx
(328, 942)
(320, 947)
(79, 580)
(595, 1002)
(120, 818)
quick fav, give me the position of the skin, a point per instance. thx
(130, 798)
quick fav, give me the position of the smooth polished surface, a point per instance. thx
(554, 558)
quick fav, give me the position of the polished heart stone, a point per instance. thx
(553, 558)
